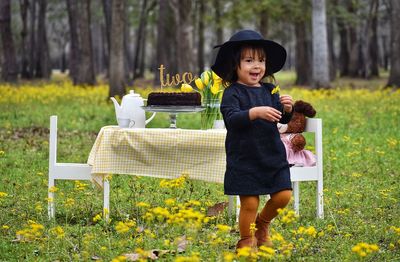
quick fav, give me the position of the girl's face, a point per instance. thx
(252, 66)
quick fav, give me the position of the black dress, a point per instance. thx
(255, 155)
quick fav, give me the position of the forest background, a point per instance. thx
(66, 57)
(122, 41)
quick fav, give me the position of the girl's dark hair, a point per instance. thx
(234, 63)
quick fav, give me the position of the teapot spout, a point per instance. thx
(118, 108)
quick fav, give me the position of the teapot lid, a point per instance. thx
(132, 94)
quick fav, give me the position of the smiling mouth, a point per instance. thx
(254, 75)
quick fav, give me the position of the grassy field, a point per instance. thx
(361, 175)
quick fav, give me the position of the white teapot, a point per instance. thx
(130, 113)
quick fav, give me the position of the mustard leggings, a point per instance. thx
(249, 208)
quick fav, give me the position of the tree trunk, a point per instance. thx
(74, 47)
(9, 70)
(320, 45)
(394, 74)
(303, 59)
(33, 41)
(218, 24)
(116, 67)
(354, 45)
(332, 58)
(107, 18)
(24, 5)
(200, 44)
(166, 31)
(43, 67)
(263, 24)
(141, 32)
(86, 68)
(182, 12)
(373, 42)
(344, 55)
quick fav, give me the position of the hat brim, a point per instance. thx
(275, 56)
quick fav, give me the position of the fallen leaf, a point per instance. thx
(182, 243)
(216, 209)
(132, 256)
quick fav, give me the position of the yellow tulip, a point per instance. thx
(215, 76)
(199, 84)
(205, 77)
(186, 88)
(215, 88)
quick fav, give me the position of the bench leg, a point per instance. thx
(50, 201)
(296, 204)
(106, 199)
(234, 209)
(231, 205)
(320, 199)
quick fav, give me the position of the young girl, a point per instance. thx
(256, 157)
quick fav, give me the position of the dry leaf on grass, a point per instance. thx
(216, 209)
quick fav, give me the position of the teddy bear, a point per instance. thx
(292, 138)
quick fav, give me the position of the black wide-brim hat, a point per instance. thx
(275, 53)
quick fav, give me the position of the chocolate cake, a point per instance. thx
(174, 99)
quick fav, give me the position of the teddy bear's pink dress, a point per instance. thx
(300, 158)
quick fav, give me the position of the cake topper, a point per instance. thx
(186, 78)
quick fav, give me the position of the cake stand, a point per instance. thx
(173, 111)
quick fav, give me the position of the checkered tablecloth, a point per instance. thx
(159, 152)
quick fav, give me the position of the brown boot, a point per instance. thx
(262, 234)
(246, 242)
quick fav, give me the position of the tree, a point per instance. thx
(200, 46)
(81, 56)
(9, 72)
(24, 5)
(140, 47)
(182, 13)
(320, 45)
(43, 68)
(166, 31)
(394, 75)
(117, 66)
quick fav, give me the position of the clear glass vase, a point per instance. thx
(210, 113)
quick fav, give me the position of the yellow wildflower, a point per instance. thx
(97, 218)
(223, 228)
(169, 201)
(58, 232)
(3, 194)
(363, 249)
(69, 202)
(53, 189)
(229, 257)
(124, 227)
(243, 252)
(119, 259)
(143, 204)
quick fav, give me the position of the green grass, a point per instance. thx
(362, 192)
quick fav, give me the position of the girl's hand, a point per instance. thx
(266, 113)
(287, 103)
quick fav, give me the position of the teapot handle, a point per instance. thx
(151, 118)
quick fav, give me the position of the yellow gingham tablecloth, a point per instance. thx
(159, 152)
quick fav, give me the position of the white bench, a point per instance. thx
(68, 171)
(300, 174)
(75, 171)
